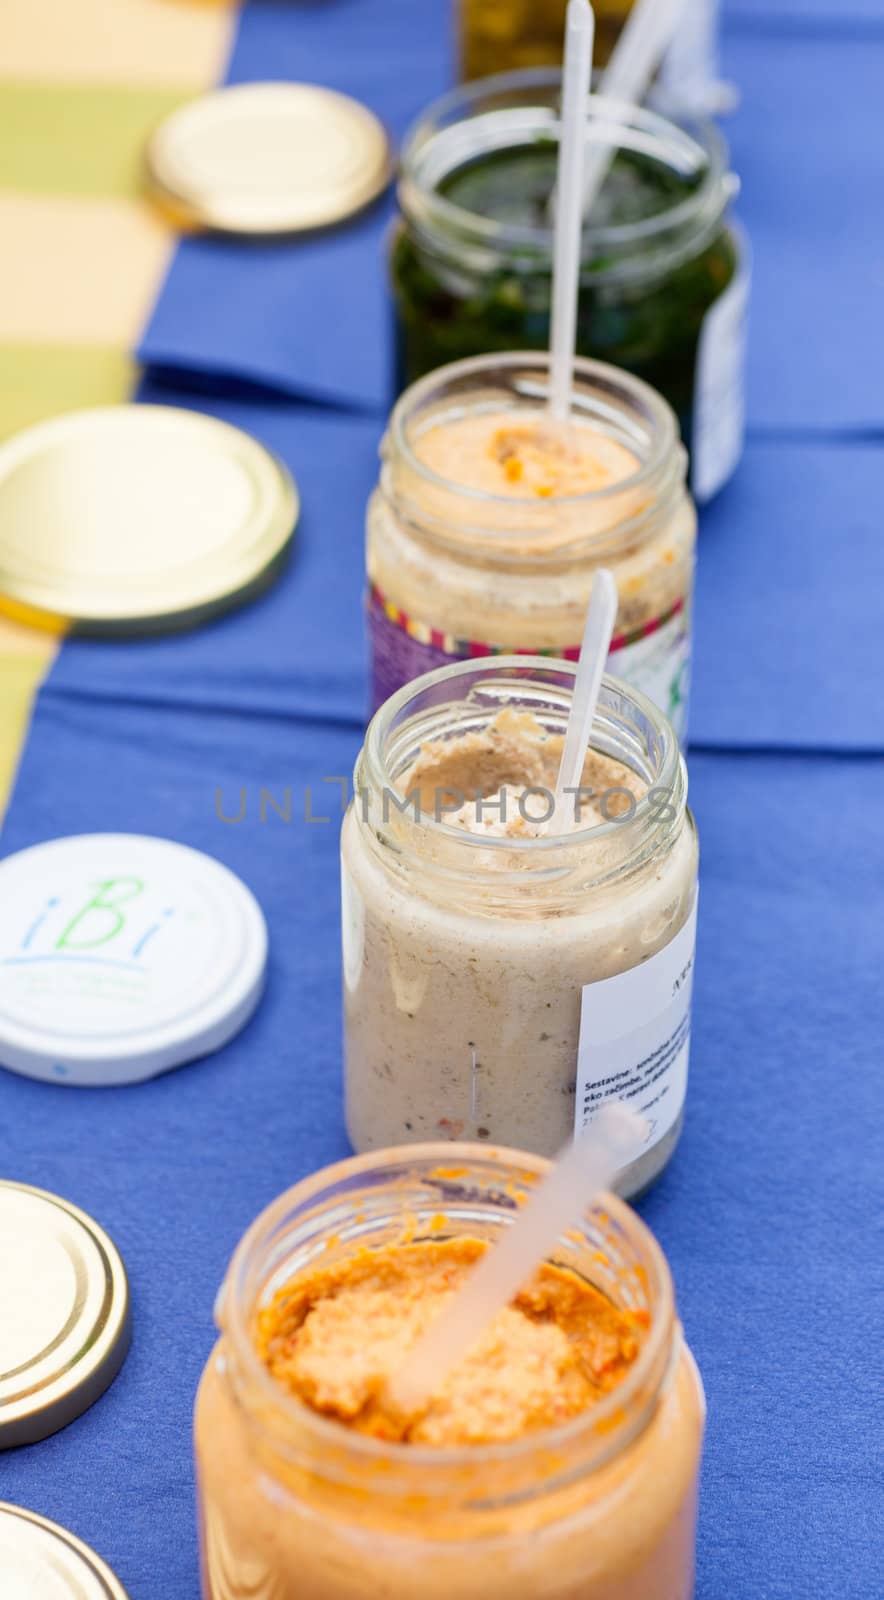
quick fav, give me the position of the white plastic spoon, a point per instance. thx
(583, 1170)
(577, 72)
(600, 619)
(647, 34)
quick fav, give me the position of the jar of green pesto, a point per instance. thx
(664, 283)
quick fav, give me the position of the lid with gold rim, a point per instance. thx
(41, 1561)
(269, 158)
(64, 1331)
(136, 519)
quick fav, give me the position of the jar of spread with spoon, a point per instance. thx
(559, 1461)
(664, 273)
(508, 969)
(490, 520)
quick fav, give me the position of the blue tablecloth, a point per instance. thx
(767, 1213)
(805, 144)
(806, 16)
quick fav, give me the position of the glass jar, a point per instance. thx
(455, 573)
(664, 281)
(503, 35)
(501, 988)
(294, 1506)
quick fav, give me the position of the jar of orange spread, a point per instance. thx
(558, 1460)
(490, 519)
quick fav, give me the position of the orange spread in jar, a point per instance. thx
(524, 455)
(334, 1336)
(545, 462)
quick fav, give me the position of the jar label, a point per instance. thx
(635, 1033)
(655, 658)
(720, 387)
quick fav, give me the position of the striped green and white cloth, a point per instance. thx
(82, 83)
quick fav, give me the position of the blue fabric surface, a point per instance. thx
(807, 15)
(766, 1213)
(789, 637)
(805, 141)
(793, 544)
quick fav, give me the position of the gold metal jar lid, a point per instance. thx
(138, 519)
(269, 158)
(41, 1561)
(64, 1330)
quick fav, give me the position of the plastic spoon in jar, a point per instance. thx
(647, 33)
(600, 619)
(579, 36)
(580, 1174)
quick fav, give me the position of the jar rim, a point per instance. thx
(544, 670)
(692, 136)
(600, 1416)
(661, 421)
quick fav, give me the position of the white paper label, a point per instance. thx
(720, 386)
(660, 667)
(635, 1033)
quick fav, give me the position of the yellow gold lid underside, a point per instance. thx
(64, 1332)
(131, 519)
(268, 158)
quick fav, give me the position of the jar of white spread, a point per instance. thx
(507, 969)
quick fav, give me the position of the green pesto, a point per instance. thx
(650, 326)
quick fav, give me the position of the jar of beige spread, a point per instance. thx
(502, 978)
(302, 1498)
(490, 519)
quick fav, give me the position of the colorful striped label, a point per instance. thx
(654, 658)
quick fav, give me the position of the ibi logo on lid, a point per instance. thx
(105, 919)
(122, 956)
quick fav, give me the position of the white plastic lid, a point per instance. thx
(41, 1561)
(122, 956)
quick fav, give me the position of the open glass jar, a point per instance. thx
(501, 988)
(503, 35)
(664, 282)
(295, 1506)
(455, 573)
